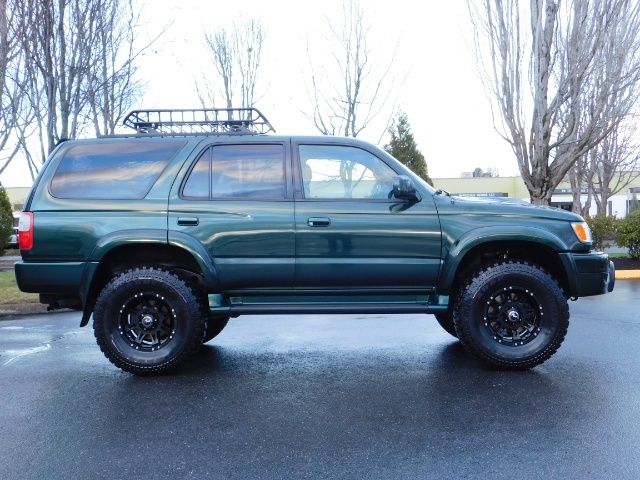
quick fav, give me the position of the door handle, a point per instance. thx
(188, 221)
(319, 222)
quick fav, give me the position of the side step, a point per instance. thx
(220, 305)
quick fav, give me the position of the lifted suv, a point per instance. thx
(199, 216)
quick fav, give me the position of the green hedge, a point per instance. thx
(627, 233)
(601, 227)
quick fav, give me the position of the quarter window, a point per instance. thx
(112, 170)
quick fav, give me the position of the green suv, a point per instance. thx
(202, 215)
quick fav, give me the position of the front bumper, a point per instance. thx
(595, 274)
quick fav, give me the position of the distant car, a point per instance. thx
(13, 239)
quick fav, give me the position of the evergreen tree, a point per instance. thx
(403, 147)
(6, 218)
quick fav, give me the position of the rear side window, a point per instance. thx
(237, 171)
(116, 170)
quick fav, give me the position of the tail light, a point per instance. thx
(25, 231)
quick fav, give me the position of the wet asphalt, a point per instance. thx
(336, 397)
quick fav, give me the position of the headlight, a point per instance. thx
(582, 231)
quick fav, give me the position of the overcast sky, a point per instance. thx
(447, 108)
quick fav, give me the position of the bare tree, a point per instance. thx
(235, 55)
(580, 178)
(111, 87)
(489, 173)
(220, 45)
(79, 67)
(15, 111)
(619, 167)
(8, 54)
(362, 87)
(60, 40)
(613, 165)
(561, 86)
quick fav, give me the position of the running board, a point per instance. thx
(325, 308)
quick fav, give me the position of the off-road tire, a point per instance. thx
(511, 315)
(446, 322)
(213, 327)
(148, 321)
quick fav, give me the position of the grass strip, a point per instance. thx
(9, 292)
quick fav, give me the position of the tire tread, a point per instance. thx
(194, 305)
(492, 274)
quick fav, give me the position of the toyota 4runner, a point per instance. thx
(197, 216)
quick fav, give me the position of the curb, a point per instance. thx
(627, 274)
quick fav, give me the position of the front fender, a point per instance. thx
(459, 248)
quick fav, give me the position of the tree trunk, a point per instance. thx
(578, 68)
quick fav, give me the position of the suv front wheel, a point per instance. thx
(511, 315)
(213, 327)
(148, 320)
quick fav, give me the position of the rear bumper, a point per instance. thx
(595, 274)
(53, 278)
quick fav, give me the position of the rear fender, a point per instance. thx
(149, 237)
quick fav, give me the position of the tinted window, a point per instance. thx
(198, 185)
(113, 170)
(332, 171)
(238, 171)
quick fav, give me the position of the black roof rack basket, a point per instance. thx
(243, 121)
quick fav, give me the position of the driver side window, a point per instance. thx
(338, 172)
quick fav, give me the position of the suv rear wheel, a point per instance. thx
(446, 322)
(148, 320)
(511, 315)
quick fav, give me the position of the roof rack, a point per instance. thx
(242, 121)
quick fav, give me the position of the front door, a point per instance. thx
(350, 231)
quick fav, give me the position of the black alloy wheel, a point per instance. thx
(511, 315)
(148, 320)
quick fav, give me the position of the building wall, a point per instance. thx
(17, 196)
(515, 187)
(508, 186)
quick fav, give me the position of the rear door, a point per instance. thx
(350, 232)
(235, 200)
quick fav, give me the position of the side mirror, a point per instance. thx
(404, 188)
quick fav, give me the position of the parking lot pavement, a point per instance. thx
(353, 396)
